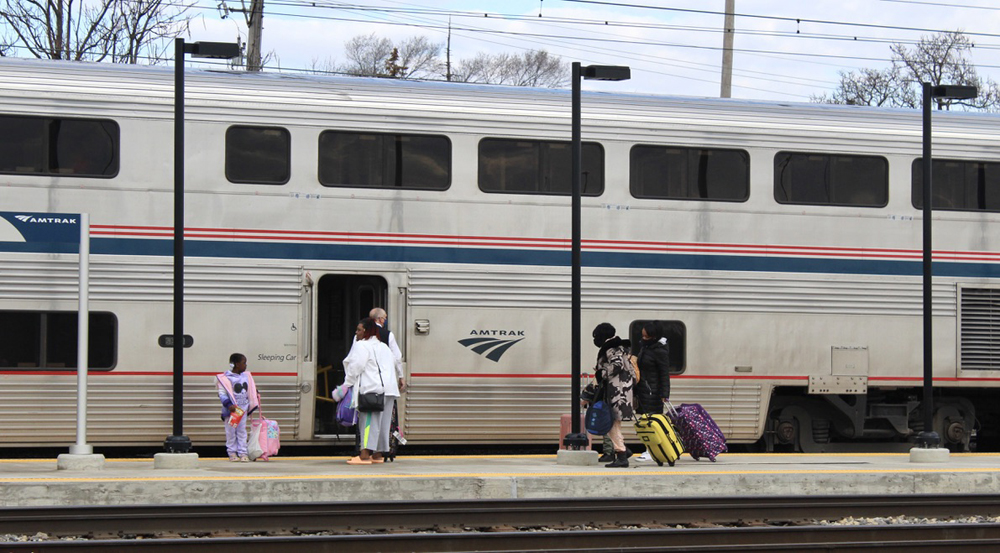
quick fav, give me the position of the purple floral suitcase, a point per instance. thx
(698, 432)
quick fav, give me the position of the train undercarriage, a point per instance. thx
(881, 420)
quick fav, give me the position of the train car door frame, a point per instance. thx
(341, 301)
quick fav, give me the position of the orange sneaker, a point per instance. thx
(358, 461)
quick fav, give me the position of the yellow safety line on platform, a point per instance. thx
(459, 457)
(664, 472)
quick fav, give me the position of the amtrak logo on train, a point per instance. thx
(59, 220)
(52, 229)
(492, 344)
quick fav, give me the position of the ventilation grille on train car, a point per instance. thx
(980, 329)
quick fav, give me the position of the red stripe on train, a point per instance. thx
(97, 372)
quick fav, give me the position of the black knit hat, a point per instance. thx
(603, 332)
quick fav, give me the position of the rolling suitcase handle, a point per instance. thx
(672, 411)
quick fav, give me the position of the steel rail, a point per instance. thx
(901, 538)
(398, 515)
(490, 524)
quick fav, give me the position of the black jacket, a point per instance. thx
(654, 370)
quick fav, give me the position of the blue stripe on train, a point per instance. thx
(507, 256)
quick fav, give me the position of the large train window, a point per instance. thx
(537, 167)
(676, 334)
(831, 179)
(48, 340)
(258, 155)
(958, 185)
(375, 160)
(673, 173)
(59, 147)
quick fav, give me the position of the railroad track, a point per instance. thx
(664, 524)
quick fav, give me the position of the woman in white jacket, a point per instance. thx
(371, 367)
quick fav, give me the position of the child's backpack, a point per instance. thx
(346, 415)
(265, 439)
(270, 438)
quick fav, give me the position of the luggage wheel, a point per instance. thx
(659, 463)
(671, 463)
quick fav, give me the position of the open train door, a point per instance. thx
(342, 301)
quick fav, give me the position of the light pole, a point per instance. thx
(930, 439)
(178, 442)
(575, 439)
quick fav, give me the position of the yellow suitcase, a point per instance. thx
(658, 435)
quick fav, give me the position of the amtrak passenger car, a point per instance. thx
(779, 243)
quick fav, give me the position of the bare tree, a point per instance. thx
(533, 68)
(420, 57)
(366, 55)
(872, 87)
(60, 29)
(6, 44)
(374, 56)
(939, 59)
(123, 30)
(142, 29)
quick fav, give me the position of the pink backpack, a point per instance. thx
(264, 439)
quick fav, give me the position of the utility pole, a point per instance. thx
(727, 50)
(447, 55)
(255, 19)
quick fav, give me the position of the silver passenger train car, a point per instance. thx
(779, 243)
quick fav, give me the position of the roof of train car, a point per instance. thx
(145, 91)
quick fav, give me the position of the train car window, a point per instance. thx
(676, 334)
(958, 185)
(831, 179)
(537, 167)
(672, 173)
(47, 340)
(258, 155)
(59, 147)
(375, 160)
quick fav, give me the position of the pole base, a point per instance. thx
(928, 440)
(177, 444)
(576, 441)
(176, 461)
(81, 449)
(576, 458)
(929, 455)
(77, 461)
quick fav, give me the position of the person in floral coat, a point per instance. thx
(614, 370)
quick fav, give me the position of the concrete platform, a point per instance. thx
(302, 479)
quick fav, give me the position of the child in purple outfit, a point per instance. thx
(237, 389)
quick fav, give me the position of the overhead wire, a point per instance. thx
(422, 17)
(804, 56)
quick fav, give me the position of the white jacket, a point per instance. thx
(362, 366)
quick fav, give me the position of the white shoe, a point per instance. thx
(644, 457)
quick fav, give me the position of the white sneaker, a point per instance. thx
(645, 456)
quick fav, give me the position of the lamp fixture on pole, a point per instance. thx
(575, 439)
(178, 442)
(929, 438)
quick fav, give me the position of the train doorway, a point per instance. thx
(342, 301)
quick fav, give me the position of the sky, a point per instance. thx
(783, 50)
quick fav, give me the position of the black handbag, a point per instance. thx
(372, 402)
